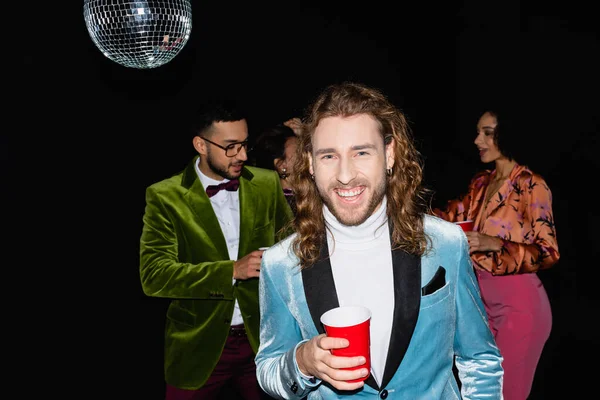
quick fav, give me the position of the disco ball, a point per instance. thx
(139, 34)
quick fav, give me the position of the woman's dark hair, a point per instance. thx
(270, 145)
(508, 132)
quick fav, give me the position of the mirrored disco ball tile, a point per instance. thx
(139, 34)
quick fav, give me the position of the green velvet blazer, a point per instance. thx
(184, 258)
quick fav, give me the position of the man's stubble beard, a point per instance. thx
(355, 220)
(218, 170)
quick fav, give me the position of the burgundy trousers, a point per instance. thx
(234, 374)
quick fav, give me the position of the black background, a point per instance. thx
(93, 134)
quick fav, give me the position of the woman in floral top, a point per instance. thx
(513, 237)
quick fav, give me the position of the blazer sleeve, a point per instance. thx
(162, 272)
(538, 249)
(478, 359)
(276, 367)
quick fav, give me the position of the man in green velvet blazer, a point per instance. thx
(203, 254)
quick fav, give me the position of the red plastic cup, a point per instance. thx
(466, 226)
(352, 323)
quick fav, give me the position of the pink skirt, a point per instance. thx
(520, 318)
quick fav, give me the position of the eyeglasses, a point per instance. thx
(231, 150)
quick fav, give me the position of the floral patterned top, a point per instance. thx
(520, 213)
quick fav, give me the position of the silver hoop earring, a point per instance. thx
(312, 176)
(283, 173)
(389, 172)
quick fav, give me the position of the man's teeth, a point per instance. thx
(350, 193)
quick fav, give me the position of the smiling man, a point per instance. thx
(363, 238)
(351, 159)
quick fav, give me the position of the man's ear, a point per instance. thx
(199, 145)
(389, 154)
(310, 165)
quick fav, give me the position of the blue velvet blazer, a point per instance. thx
(430, 332)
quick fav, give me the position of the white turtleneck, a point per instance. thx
(361, 261)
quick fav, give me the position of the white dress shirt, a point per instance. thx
(226, 205)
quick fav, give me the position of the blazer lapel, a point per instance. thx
(320, 293)
(319, 287)
(321, 296)
(248, 195)
(199, 202)
(407, 299)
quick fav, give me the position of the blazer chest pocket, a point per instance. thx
(437, 282)
(264, 233)
(436, 297)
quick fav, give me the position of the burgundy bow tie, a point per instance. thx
(231, 185)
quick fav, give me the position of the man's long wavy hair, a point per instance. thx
(406, 200)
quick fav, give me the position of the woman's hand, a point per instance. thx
(295, 124)
(481, 242)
